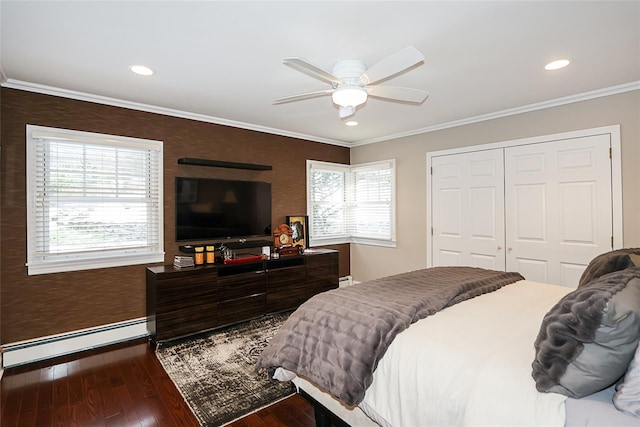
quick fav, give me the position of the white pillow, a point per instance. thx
(627, 396)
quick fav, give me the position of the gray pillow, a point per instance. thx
(627, 396)
(609, 262)
(588, 339)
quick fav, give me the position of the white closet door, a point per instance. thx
(468, 209)
(558, 207)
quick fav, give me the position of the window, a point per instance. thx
(327, 202)
(351, 203)
(93, 200)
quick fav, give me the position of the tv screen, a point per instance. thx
(216, 208)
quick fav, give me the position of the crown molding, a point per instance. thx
(82, 96)
(627, 87)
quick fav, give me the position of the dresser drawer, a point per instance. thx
(171, 293)
(284, 279)
(237, 310)
(184, 321)
(240, 285)
(286, 300)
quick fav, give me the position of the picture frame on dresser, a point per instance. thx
(300, 226)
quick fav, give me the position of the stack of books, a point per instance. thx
(182, 261)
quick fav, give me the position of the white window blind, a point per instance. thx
(372, 202)
(351, 203)
(93, 200)
(327, 196)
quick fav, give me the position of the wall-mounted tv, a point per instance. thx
(208, 209)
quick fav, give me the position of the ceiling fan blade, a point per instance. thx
(393, 64)
(398, 93)
(302, 96)
(311, 69)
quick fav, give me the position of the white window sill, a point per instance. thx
(76, 265)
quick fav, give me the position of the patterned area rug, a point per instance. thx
(216, 372)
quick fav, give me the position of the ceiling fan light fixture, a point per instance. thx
(346, 111)
(349, 96)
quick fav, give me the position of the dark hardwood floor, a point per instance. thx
(121, 385)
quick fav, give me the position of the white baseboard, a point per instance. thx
(29, 351)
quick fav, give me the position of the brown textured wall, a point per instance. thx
(36, 306)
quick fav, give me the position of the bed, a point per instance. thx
(506, 351)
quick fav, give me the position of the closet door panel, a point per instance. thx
(482, 203)
(450, 257)
(486, 261)
(570, 273)
(467, 209)
(558, 207)
(531, 269)
(579, 214)
(529, 210)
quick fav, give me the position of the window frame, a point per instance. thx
(349, 192)
(44, 263)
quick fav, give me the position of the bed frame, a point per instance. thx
(323, 416)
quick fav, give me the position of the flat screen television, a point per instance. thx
(208, 209)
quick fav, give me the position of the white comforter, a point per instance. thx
(469, 365)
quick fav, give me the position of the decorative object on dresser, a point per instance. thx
(300, 227)
(283, 241)
(216, 374)
(185, 301)
(283, 236)
(183, 261)
(290, 250)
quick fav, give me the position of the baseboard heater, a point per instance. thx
(29, 351)
(345, 281)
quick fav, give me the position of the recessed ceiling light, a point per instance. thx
(141, 70)
(351, 123)
(556, 65)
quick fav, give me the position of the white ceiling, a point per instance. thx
(221, 61)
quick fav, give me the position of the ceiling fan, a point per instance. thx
(351, 81)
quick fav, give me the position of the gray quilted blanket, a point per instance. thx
(336, 338)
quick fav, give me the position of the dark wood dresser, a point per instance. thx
(185, 301)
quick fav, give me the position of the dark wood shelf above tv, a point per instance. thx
(223, 164)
